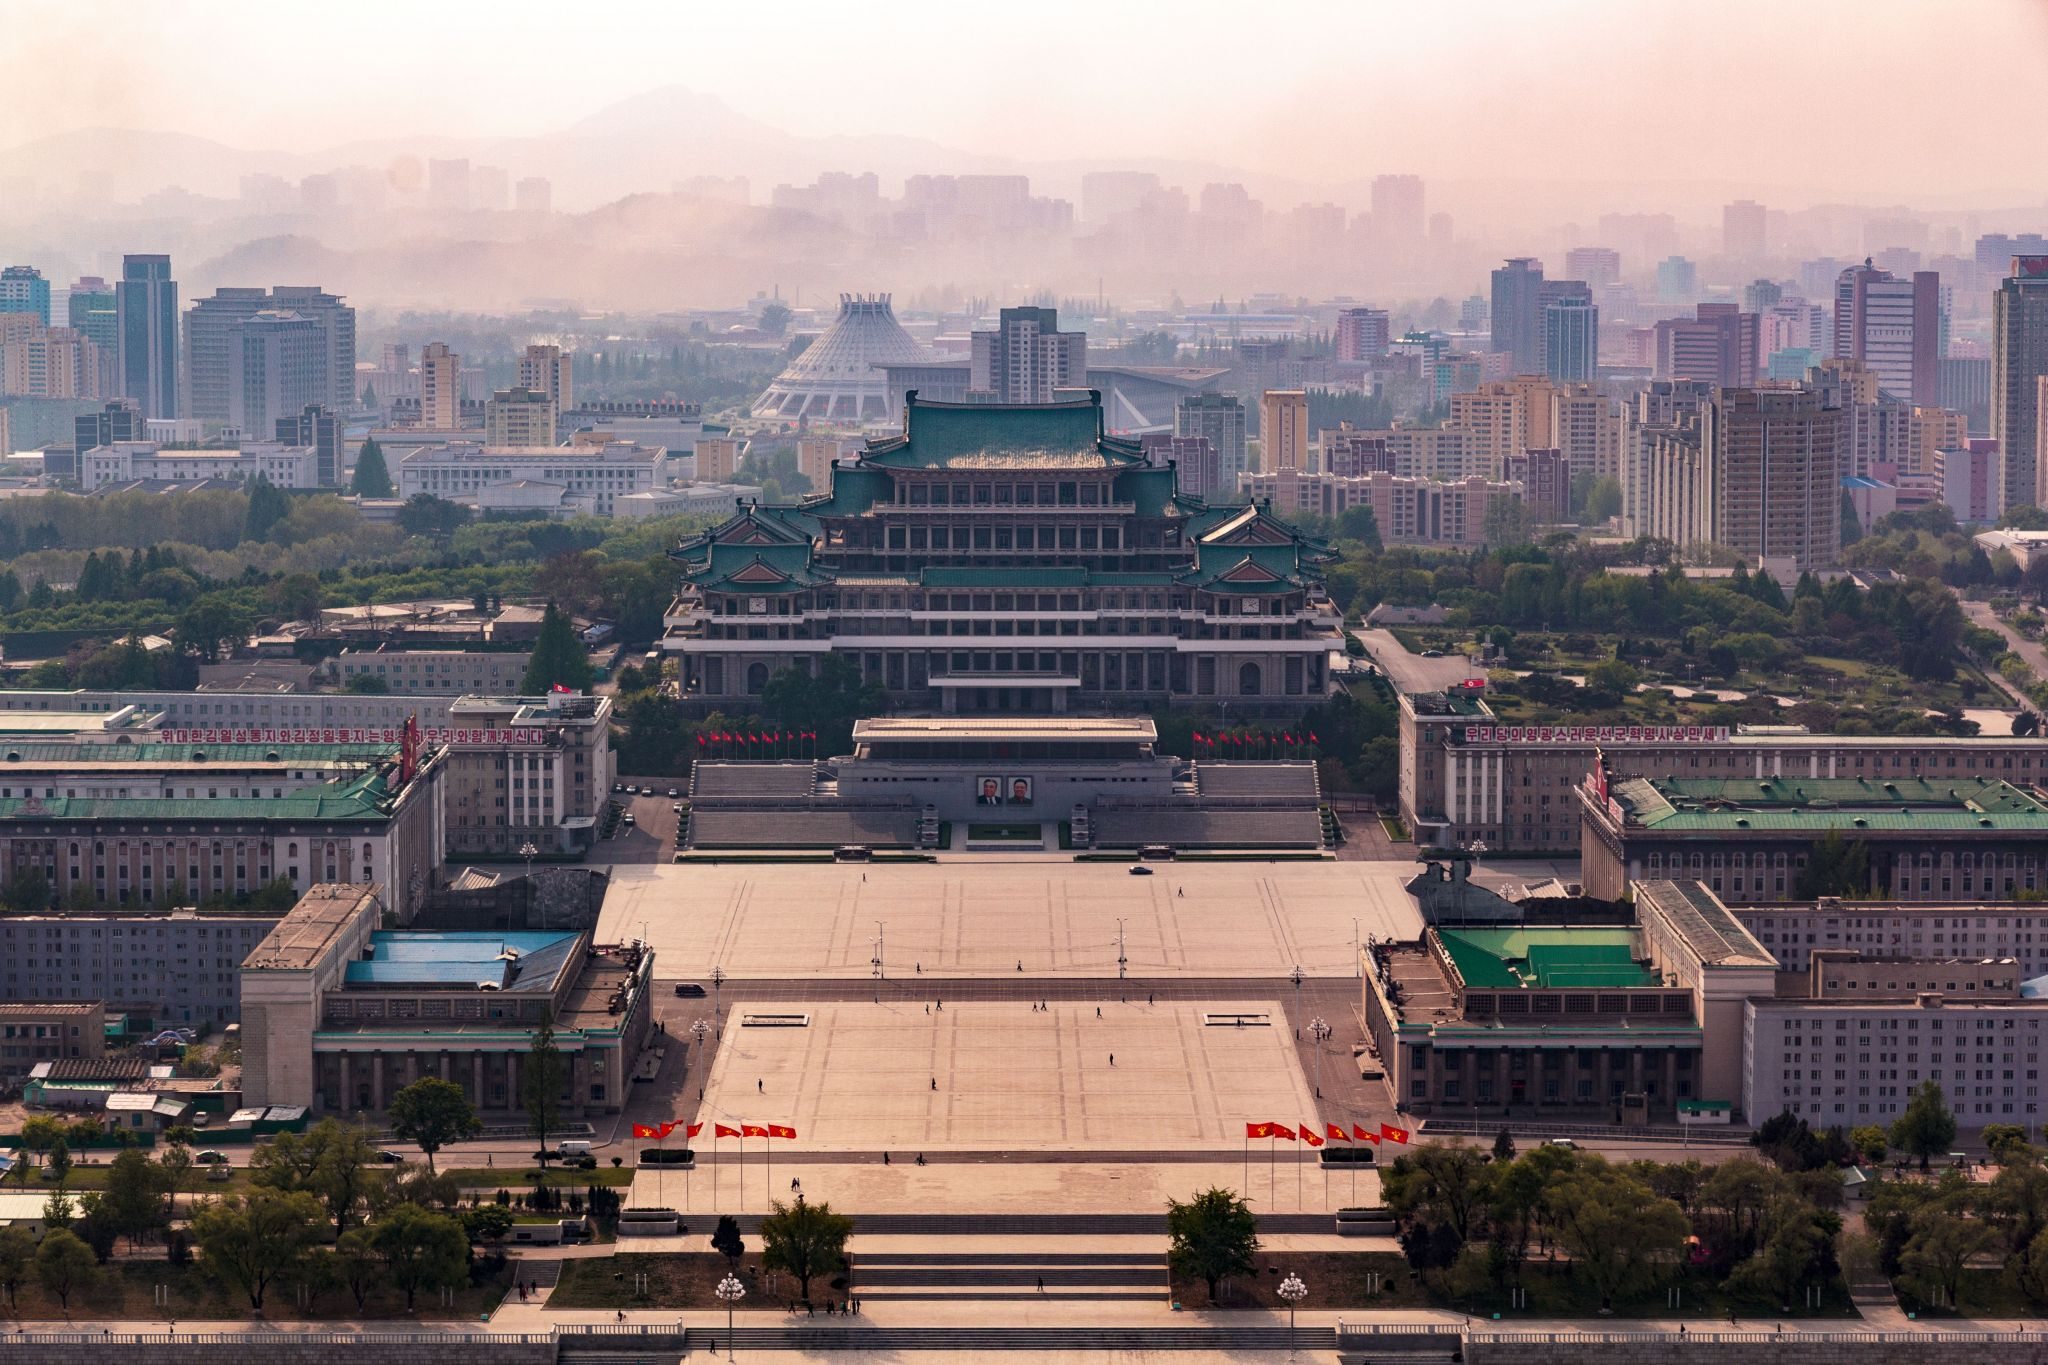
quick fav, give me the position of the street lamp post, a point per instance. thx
(717, 995)
(1121, 961)
(1319, 1030)
(731, 1291)
(1295, 977)
(1357, 950)
(528, 852)
(1291, 1289)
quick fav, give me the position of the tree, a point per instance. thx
(805, 1240)
(1614, 1226)
(209, 623)
(27, 892)
(1927, 1126)
(64, 1264)
(251, 1240)
(725, 1240)
(366, 684)
(1869, 1142)
(17, 1256)
(558, 656)
(488, 1222)
(825, 705)
(1798, 1251)
(297, 596)
(420, 1250)
(1506, 522)
(426, 515)
(775, 316)
(2007, 1143)
(1942, 1242)
(332, 1161)
(1360, 524)
(1444, 1182)
(372, 477)
(1738, 1192)
(431, 1113)
(542, 1077)
(1835, 867)
(1211, 1237)
(268, 505)
(132, 1204)
(358, 1264)
(1503, 1146)
(59, 1161)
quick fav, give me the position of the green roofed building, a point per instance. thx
(1008, 558)
(1791, 838)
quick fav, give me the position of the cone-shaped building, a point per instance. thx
(839, 378)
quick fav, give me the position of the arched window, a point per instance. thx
(1248, 681)
(757, 679)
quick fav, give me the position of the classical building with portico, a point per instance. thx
(339, 1014)
(1008, 558)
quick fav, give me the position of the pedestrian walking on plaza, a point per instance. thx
(1148, 997)
(935, 1082)
(1098, 1011)
(1041, 1284)
(885, 1158)
(759, 1088)
(1112, 1059)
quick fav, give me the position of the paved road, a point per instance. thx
(1412, 673)
(2034, 654)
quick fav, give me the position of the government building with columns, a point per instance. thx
(1009, 558)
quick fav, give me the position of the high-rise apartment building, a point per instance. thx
(519, 416)
(1362, 334)
(2019, 360)
(1893, 325)
(1546, 480)
(90, 311)
(1218, 417)
(24, 290)
(440, 387)
(146, 306)
(718, 458)
(1517, 313)
(1678, 280)
(1777, 462)
(1503, 417)
(318, 428)
(278, 366)
(47, 362)
(213, 347)
(549, 370)
(1571, 339)
(1598, 266)
(1027, 357)
(1718, 345)
(1283, 430)
(1586, 426)
(1761, 296)
(1742, 231)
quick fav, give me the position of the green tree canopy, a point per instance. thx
(268, 505)
(431, 1113)
(420, 1250)
(542, 1076)
(558, 656)
(372, 478)
(249, 1241)
(805, 1240)
(65, 1264)
(1211, 1238)
(1615, 1227)
(1926, 1127)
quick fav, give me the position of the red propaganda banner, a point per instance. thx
(1336, 1132)
(1359, 1132)
(1310, 1136)
(1393, 1134)
(720, 1130)
(693, 1130)
(641, 1130)
(781, 1130)
(752, 1130)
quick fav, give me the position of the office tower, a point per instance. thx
(533, 194)
(7, 435)
(1598, 266)
(1742, 231)
(90, 310)
(213, 347)
(490, 189)
(1026, 358)
(1969, 480)
(1517, 314)
(318, 427)
(448, 185)
(1587, 428)
(440, 387)
(1677, 280)
(24, 290)
(146, 305)
(549, 370)
(1283, 430)
(1192, 458)
(519, 416)
(1571, 340)
(1893, 325)
(278, 367)
(1966, 387)
(1777, 463)
(1397, 208)
(2019, 359)
(1218, 418)
(1718, 345)
(117, 421)
(1110, 194)
(1362, 333)
(1761, 296)
(1995, 250)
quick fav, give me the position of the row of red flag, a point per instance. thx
(745, 1130)
(1255, 737)
(754, 737)
(1334, 1133)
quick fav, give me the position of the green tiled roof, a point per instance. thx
(1846, 804)
(988, 435)
(1514, 959)
(309, 755)
(366, 797)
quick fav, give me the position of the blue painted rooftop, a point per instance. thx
(514, 961)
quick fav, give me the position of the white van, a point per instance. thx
(570, 1149)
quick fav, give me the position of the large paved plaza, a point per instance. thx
(961, 918)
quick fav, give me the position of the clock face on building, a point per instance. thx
(757, 605)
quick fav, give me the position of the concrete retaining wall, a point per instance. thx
(279, 1348)
(1757, 1348)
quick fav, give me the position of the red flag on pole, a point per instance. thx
(700, 739)
(1258, 1130)
(1336, 1132)
(1280, 1130)
(641, 1130)
(1359, 1132)
(694, 1129)
(1393, 1134)
(753, 1130)
(781, 1130)
(720, 1130)
(1309, 1135)
(1312, 738)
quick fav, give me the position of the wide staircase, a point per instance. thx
(957, 1276)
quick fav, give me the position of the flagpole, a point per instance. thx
(769, 1144)
(1273, 1169)
(1247, 1161)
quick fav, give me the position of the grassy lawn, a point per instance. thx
(1341, 1279)
(127, 1289)
(516, 1178)
(1984, 1294)
(84, 1178)
(675, 1280)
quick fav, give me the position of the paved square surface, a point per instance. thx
(861, 1076)
(965, 918)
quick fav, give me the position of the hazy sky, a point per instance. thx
(1838, 97)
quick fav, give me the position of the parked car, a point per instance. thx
(210, 1158)
(627, 818)
(390, 1158)
(1140, 870)
(674, 792)
(689, 990)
